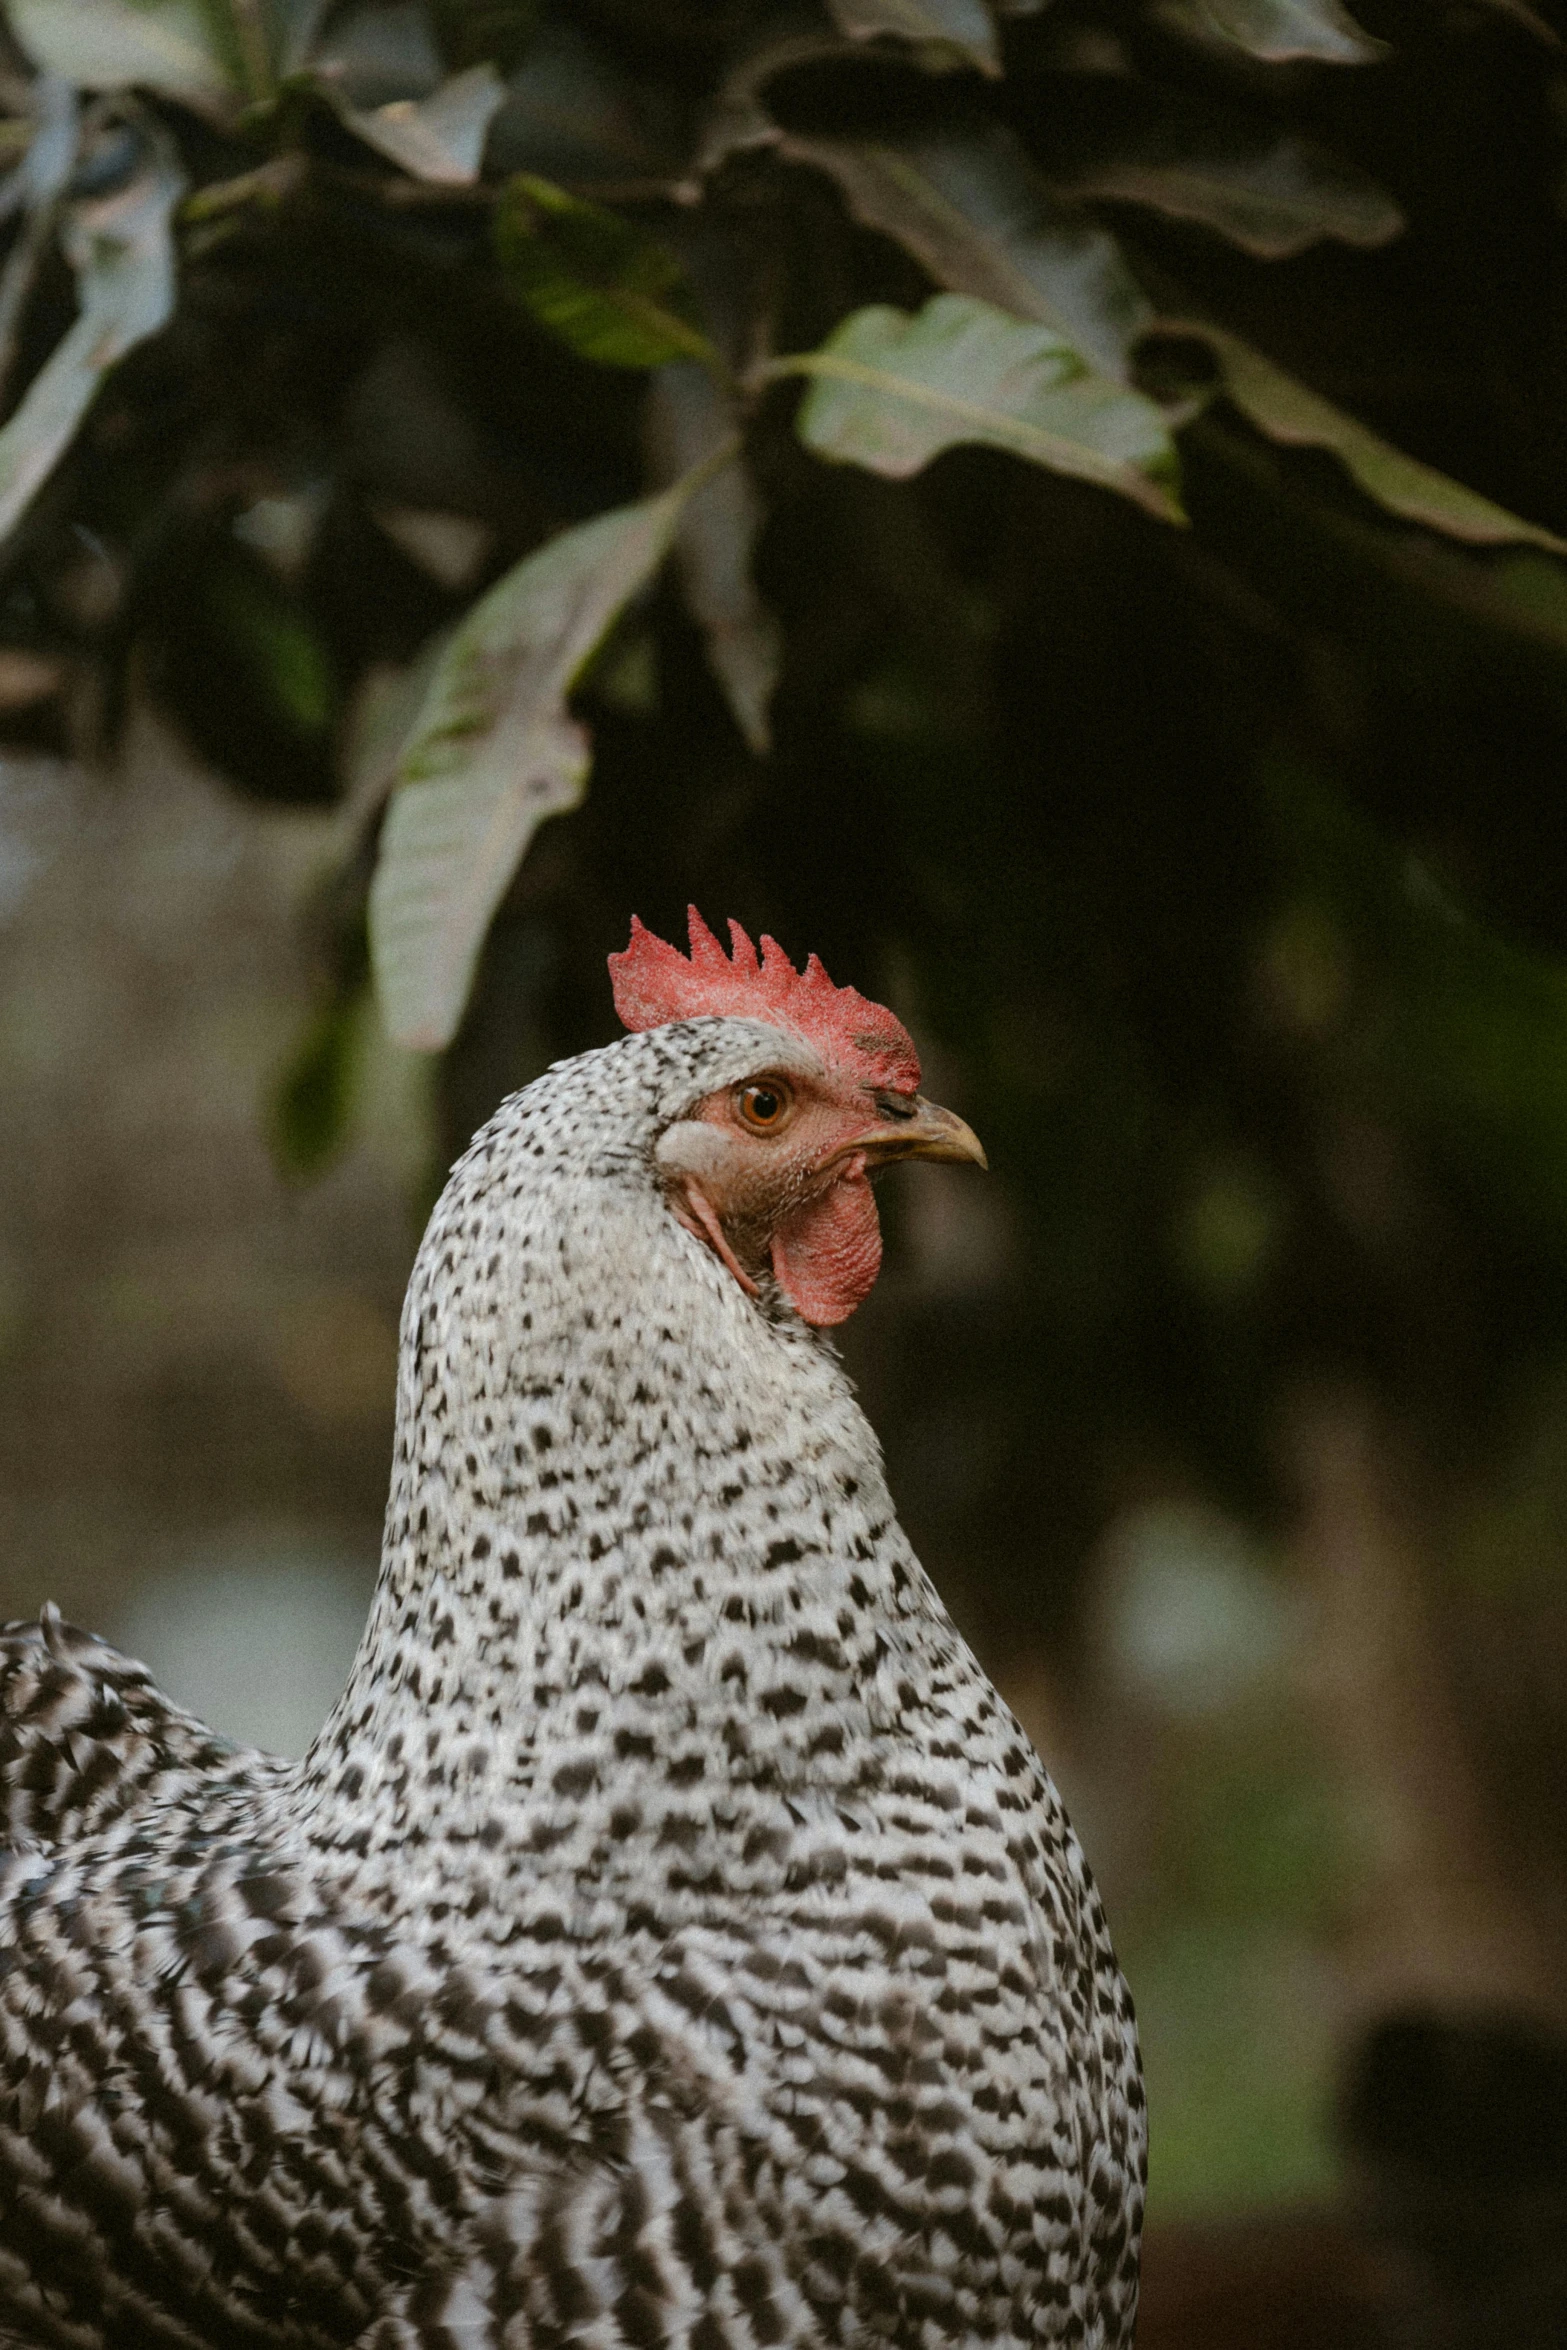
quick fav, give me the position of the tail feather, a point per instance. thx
(87, 1737)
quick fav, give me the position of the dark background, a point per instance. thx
(1221, 874)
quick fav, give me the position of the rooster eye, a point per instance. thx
(764, 1107)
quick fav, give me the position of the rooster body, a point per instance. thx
(670, 1938)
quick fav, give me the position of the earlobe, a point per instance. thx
(694, 1147)
(690, 1155)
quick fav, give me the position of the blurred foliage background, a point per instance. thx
(1055, 509)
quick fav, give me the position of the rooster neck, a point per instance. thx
(636, 1524)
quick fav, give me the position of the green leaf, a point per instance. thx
(1276, 31)
(381, 723)
(439, 138)
(493, 751)
(891, 391)
(974, 213)
(1273, 196)
(166, 45)
(49, 159)
(612, 293)
(122, 250)
(1286, 411)
(210, 55)
(960, 26)
(290, 28)
(35, 188)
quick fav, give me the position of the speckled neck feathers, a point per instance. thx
(645, 1488)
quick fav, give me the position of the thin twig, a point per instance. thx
(250, 31)
(268, 183)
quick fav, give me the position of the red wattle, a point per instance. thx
(826, 1257)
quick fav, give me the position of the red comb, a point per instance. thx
(654, 982)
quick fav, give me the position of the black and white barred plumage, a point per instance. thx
(670, 1939)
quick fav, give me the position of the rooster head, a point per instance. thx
(772, 1172)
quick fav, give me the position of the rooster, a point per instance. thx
(670, 1939)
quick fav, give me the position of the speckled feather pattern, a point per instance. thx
(669, 1940)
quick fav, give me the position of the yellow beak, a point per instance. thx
(926, 1131)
